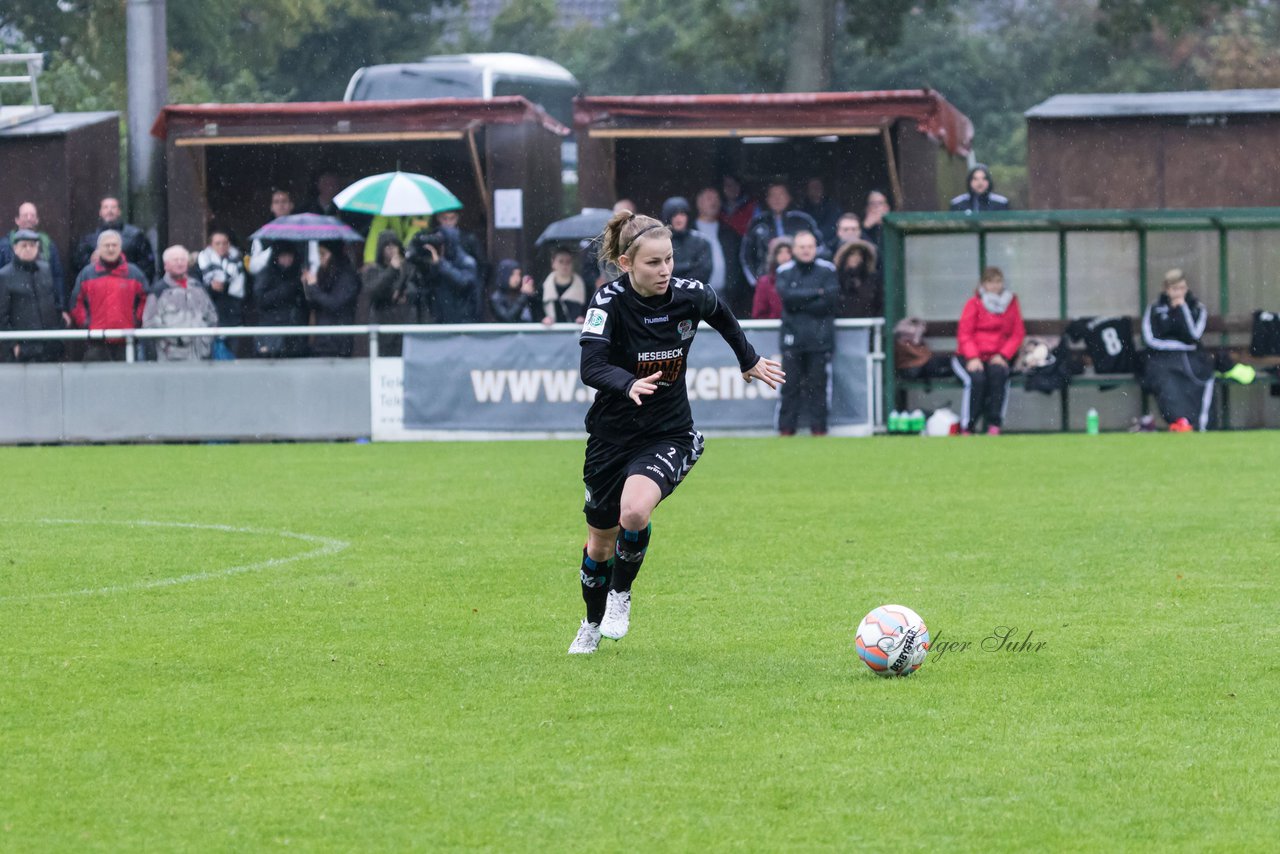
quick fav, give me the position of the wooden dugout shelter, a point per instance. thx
(223, 160)
(1155, 150)
(911, 144)
(65, 163)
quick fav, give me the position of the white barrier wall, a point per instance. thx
(150, 401)
(487, 381)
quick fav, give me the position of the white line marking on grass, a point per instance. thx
(325, 546)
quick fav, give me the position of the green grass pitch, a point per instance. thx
(362, 647)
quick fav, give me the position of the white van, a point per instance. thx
(470, 75)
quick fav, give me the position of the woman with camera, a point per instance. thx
(449, 276)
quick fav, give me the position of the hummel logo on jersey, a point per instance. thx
(660, 319)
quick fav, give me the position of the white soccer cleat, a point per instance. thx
(587, 640)
(617, 615)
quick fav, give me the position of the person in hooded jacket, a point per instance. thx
(514, 298)
(987, 340)
(692, 250)
(809, 290)
(861, 289)
(333, 292)
(281, 301)
(765, 303)
(388, 294)
(981, 195)
(30, 299)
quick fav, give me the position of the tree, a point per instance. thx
(699, 46)
(225, 49)
(1123, 21)
(1239, 51)
(522, 25)
(813, 41)
(995, 59)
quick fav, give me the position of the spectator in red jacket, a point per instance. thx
(766, 304)
(110, 293)
(988, 338)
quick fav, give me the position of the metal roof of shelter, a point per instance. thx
(344, 121)
(1086, 220)
(55, 124)
(1127, 104)
(790, 114)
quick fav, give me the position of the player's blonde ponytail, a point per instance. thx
(623, 231)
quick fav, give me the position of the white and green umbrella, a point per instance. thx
(397, 194)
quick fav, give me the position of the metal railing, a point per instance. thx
(34, 63)
(131, 337)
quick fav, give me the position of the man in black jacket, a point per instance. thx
(981, 195)
(776, 220)
(29, 299)
(809, 290)
(136, 246)
(824, 211)
(691, 250)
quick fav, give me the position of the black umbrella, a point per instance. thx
(576, 228)
(307, 227)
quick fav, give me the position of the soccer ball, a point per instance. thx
(892, 640)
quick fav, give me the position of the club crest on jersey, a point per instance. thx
(686, 329)
(594, 322)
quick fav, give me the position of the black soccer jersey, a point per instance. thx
(1110, 344)
(626, 337)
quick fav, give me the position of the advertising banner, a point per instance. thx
(503, 384)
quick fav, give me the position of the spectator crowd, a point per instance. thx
(804, 263)
(410, 270)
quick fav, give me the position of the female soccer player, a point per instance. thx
(641, 441)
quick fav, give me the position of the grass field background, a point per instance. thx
(170, 687)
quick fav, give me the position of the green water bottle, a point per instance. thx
(895, 421)
(1091, 422)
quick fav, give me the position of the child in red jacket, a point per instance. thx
(988, 338)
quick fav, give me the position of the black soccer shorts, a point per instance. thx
(607, 467)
